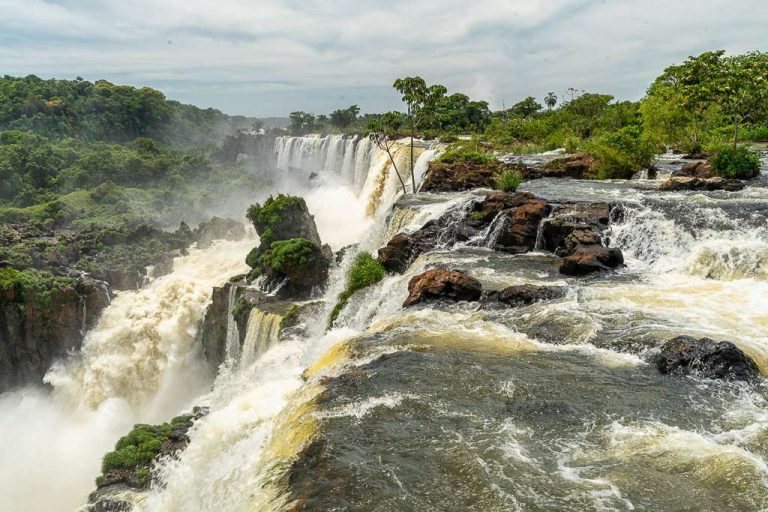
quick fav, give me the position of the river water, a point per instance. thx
(553, 406)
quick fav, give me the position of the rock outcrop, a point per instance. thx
(440, 284)
(128, 471)
(678, 183)
(587, 259)
(456, 177)
(42, 319)
(290, 256)
(218, 228)
(706, 358)
(576, 166)
(527, 294)
(699, 169)
(515, 223)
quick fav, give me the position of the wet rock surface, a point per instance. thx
(576, 166)
(587, 259)
(517, 224)
(706, 358)
(41, 325)
(704, 184)
(440, 284)
(527, 294)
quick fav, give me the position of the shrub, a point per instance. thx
(508, 181)
(618, 155)
(140, 446)
(738, 162)
(364, 272)
(476, 216)
(292, 253)
(253, 257)
(464, 155)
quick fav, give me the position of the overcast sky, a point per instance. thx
(271, 57)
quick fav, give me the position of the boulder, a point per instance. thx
(698, 169)
(527, 294)
(283, 218)
(706, 358)
(700, 155)
(572, 224)
(586, 259)
(440, 284)
(291, 255)
(515, 230)
(218, 228)
(575, 166)
(692, 183)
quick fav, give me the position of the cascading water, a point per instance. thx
(261, 333)
(140, 363)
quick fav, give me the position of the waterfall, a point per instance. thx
(356, 163)
(233, 335)
(262, 331)
(139, 364)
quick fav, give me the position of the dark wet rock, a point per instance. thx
(218, 228)
(572, 224)
(41, 324)
(453, 177)
(527, 294)
(706, 358)
(586, 259)
(709, 184)
(698, 169)
(701, 155)
(404, 248)
(440, 284)
(515, 230)
(575, 166)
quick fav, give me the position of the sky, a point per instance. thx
(272, 57)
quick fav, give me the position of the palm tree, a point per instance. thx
(550, 100)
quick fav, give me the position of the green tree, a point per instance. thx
(301, 122)
(421, 101)
(550, 100)
(383, 133)
(344, 117)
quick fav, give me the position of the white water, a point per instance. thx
(139, 364)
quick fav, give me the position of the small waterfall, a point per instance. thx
(233, 334)
(261, 333)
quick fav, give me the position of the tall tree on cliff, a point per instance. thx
(421, 101)
(383, 130)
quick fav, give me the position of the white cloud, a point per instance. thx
(227, 52)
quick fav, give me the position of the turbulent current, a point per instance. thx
(552, 406)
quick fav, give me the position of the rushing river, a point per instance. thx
(553, 406)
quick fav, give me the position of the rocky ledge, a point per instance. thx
(515, 224)
(129, 470)
(43, 318)
(677, 183)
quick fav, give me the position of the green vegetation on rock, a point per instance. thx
(738, 162)
(465, 155)
(364, 272)
(267, 217)
(508, 181)
(285, 254)
(140, 446)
